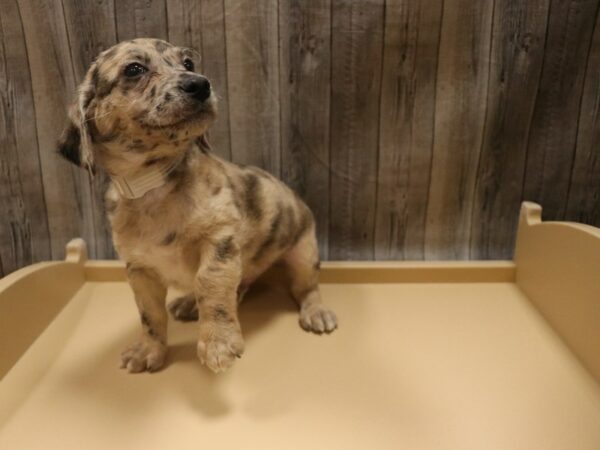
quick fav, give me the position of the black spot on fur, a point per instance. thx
(226, 249)
(102, 86)
(220, 314)
(216, 190)
(160, 46)
(271, 236)
(70, 145)
(169, 238)
(168, 97)
(252, 196)
(152, 161)
(145, 320)
(172, 136)
(149, 328)
(305, 221)
(153, 92)
(136, 144)
(288, 227)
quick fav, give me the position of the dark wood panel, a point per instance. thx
(305, 69)
(141, 18)
(24, 232)
(460, 106)
(251, 30)
(201, 26)
(554, 127)
(91, 29)
(412, 129)
(412, 31)
(356, 60)
(66, 188)
(518, 38)
(584, 191)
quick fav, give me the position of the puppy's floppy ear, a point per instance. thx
(75, 144)
(69, 144)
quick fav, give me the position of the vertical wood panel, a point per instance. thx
(554, 126)
(141, 18)
(356, 58)
(518, 39)
(406, 127)
(91, 29)
(24, 232)
(305, 69)
(584, 191)
(201, 26)
(252, 37)
(462, 79)
(66, 188)
(413, 129)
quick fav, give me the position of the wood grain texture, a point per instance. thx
(583, 203)
(518, 38)
(553, 134)
(411, 44)
(252, 39)
(462, 79)
(141, 18)
(91, 28)
(24, 232)
(201, 26)
(66, 188)
(413, 129)
(357, 37)
(305, 70)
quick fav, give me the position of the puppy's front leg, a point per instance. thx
(220, 339)
(149, 352)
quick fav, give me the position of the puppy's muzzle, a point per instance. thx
(195, 86)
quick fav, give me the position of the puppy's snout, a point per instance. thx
(196, 86)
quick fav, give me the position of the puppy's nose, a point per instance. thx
(196, 86)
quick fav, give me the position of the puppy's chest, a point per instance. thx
(173, 263)
(163, 244)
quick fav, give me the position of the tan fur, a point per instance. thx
(211, 229)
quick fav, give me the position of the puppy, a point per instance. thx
(181, 216)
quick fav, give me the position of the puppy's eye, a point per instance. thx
(134, 70)
(188, 64)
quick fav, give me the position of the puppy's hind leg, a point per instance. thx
(303, 263)
(184, 308)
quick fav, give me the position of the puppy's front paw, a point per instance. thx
(143, 355)
(317, 318)
(184, 308)
(219, 345)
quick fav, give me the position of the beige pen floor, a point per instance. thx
(412, 366)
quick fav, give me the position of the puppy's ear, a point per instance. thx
(69, 144)
(203, 143)
(75, 144)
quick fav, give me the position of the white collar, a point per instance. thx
(136, 186)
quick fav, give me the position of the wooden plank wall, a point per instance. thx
(413, 128)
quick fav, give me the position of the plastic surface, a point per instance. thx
(431, 362)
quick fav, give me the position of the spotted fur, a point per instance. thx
(211, 229)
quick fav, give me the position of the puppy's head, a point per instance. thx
(140, 100)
